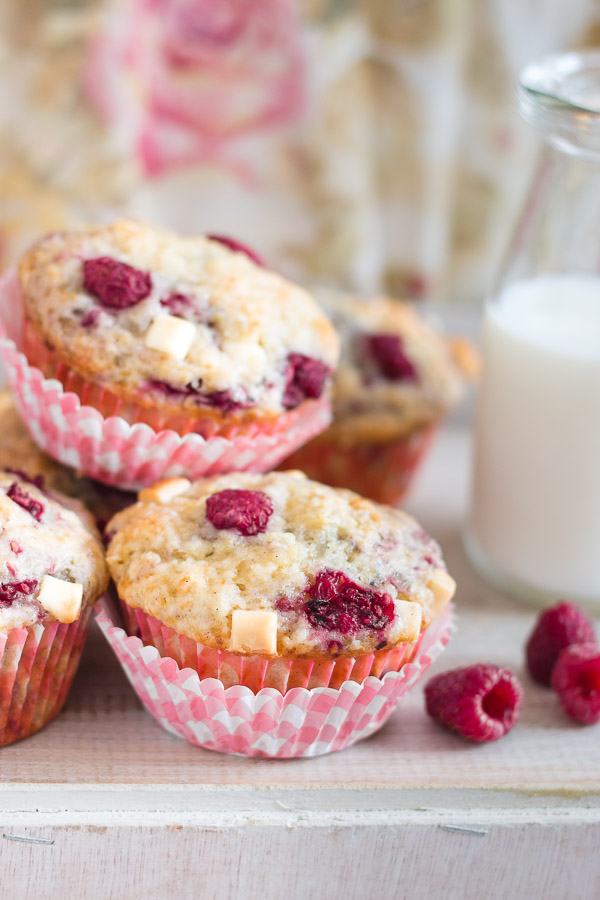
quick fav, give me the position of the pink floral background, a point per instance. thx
(372, 144)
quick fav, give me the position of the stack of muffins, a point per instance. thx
(256, 580)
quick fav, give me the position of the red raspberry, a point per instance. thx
(14, 590)
(37, 480)
(247, 512)
(114, 283)
(179, 305)
(576, 680)
(90, 318)
(339, 604)
(479, 702)
(25, 500)
(216, 400)
(555, 629)
(305, 378)
(388, 351)
(237, 247)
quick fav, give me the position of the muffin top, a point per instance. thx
(396, 372)
(276, 564)
(174, 322)
(19, 453)
(51, 557)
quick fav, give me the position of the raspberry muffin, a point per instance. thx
(185, 334)
(396, 380)
(21, 455)
(52, 571)
(274, 580)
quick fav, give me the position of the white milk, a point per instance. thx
(535, 515)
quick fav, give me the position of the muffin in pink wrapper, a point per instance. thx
(185, 334)
(53, 571)
(145, 355)
(397, 379)
(275, 583)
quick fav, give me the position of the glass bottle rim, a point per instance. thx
(560, 96)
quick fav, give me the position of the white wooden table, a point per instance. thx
(103, 804)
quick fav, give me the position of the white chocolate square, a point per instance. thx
(254, 631)
(443, 587)
(171, 335)
(411, 616)
(62, 599)
(164, 491)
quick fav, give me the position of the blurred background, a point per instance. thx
(370, 144)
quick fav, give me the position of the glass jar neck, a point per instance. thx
(559, 228)
(560, 97)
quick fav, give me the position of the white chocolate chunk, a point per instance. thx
(250, 358)
(254, 631)
(164, 491)
(443, 587)
(62, 599)
(411, 616)
(171, 335)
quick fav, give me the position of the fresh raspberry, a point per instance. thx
(388, 352)
(237, 247)
(479, 702)
(576, 680)
(555, 629)
(22, 498)
(115, 284)
(305, 377)
(14, 590)
(247, 512)
(339, 604)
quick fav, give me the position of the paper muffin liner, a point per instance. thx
(380, 470)
(131, 457)
(37, 667)
(109, 404)
(257, 672)
(267, 723)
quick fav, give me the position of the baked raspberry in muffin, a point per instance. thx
(180, 333)
(52, 570)
(397, 378)
(275, 580)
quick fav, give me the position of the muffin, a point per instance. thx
(274, 580)
(396, 380)
(53, 571)
(185, 334)
(20, 454)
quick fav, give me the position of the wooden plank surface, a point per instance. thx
(104, 804)
(105, 737)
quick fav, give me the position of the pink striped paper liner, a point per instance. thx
(115, 452)
(109, 404)
(257, 672)
(300, 723)
(37, 667)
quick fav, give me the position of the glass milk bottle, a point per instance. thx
(534, 523)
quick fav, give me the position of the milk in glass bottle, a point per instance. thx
(534, 524)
